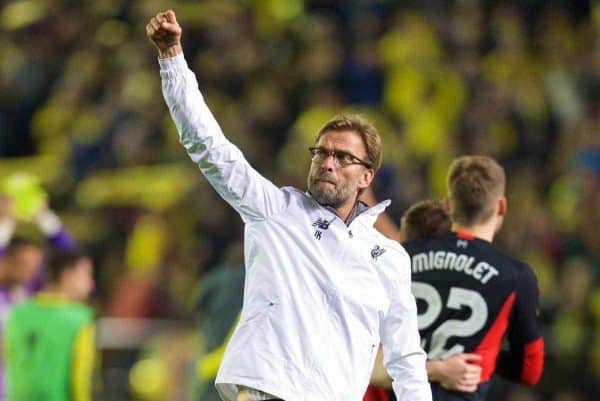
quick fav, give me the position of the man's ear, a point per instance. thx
(366, 178)
(502, 206)
(446, 204)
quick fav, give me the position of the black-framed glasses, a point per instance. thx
(341, 158)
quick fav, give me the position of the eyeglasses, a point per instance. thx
(341, 158)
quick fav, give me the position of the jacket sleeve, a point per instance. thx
(523, 361)
(250, 194)
(403, 357)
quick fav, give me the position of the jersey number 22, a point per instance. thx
(457, 299)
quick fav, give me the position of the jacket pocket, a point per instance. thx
(257, 313)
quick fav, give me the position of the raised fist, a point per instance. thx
(164, 31)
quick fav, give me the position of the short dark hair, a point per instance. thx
(362, 127)
(474, 182)
(425, 219)
(58, 261)
(17, 243)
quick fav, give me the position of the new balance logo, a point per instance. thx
(461, 243)
(320, 224)
(377, 251)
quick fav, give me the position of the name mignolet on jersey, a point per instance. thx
(442, 260)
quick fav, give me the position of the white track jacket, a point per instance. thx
(319, 295)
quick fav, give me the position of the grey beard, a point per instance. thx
(333, 197)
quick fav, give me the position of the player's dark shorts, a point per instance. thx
(441, 394)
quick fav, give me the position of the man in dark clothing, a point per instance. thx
(470, 295)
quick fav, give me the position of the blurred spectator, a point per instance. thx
(218, 306)
(50, 339)
(21, 271)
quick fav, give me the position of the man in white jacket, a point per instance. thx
(323, 287)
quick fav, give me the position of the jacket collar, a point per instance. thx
(360, 210)
(369, 215)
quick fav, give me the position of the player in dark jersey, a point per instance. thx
(470, 296)
(459, 372)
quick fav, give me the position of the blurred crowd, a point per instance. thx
(81, 109)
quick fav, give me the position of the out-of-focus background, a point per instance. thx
(81, 111)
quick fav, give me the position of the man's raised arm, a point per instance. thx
(222, 163)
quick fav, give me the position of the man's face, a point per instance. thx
(24, 263)
(331, 183)
(78, 281)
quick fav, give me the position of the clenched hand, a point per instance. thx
(165, 33)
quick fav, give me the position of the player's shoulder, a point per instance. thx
(75, 313)
(523, 270)
(518, 264)
(503, 258)
(523, 275)
(471, 246)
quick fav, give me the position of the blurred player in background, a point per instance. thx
(21, 267)
(322, 286)
(470, 295)
(49, 339)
